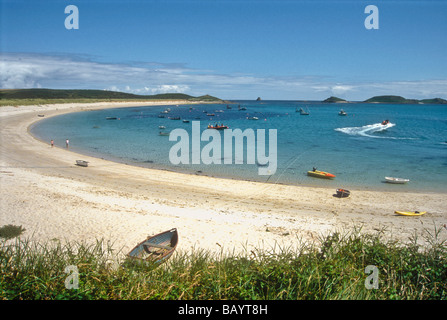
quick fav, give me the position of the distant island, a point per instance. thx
(48, 96)
(14, 97)
(399, 99)
(335, 100)
(391, 99)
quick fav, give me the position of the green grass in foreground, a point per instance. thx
(335, 269)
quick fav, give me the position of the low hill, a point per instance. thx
(434, 101)
(334, 100)
(390, 99)
(62, 94)
(399, 99)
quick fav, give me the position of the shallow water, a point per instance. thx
(357, 148)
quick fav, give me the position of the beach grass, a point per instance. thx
(331, 268)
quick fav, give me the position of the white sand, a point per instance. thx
(45, 192)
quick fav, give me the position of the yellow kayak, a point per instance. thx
(320, 174)
(410, 213)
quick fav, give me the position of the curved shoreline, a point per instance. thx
(382, 187)
(52, 198)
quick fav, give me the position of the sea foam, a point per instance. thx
(368, 130)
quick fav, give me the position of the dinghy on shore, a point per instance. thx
(157, 248)
(82, 163)
(396, 180)
(343, 193)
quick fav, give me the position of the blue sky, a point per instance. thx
(232, 49)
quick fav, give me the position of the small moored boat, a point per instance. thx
(217, 127)
(342, 113)
(157, 248)
(320, 174)
(82, 163)
(396, 180)
(303, 113)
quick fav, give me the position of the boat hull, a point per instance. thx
(320, 174)
(396, 180)
(410, 213)
(82, 163)
(343, 193)
(217, 127)
(157, 248)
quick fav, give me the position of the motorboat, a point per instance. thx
(217, 127)
(320, 174)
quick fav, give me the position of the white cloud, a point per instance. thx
(165, 88)
(31, 70)
(341, 89)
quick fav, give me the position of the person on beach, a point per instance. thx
(66, 143)
(52, 143)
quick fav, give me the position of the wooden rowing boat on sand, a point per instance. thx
(157, 248)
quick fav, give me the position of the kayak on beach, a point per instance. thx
(410, 213)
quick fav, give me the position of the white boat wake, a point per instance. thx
(368, 130)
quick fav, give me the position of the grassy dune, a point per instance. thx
(333, 269)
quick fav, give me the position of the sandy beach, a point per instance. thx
(44, 191)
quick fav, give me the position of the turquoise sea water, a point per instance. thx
(356, 148)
